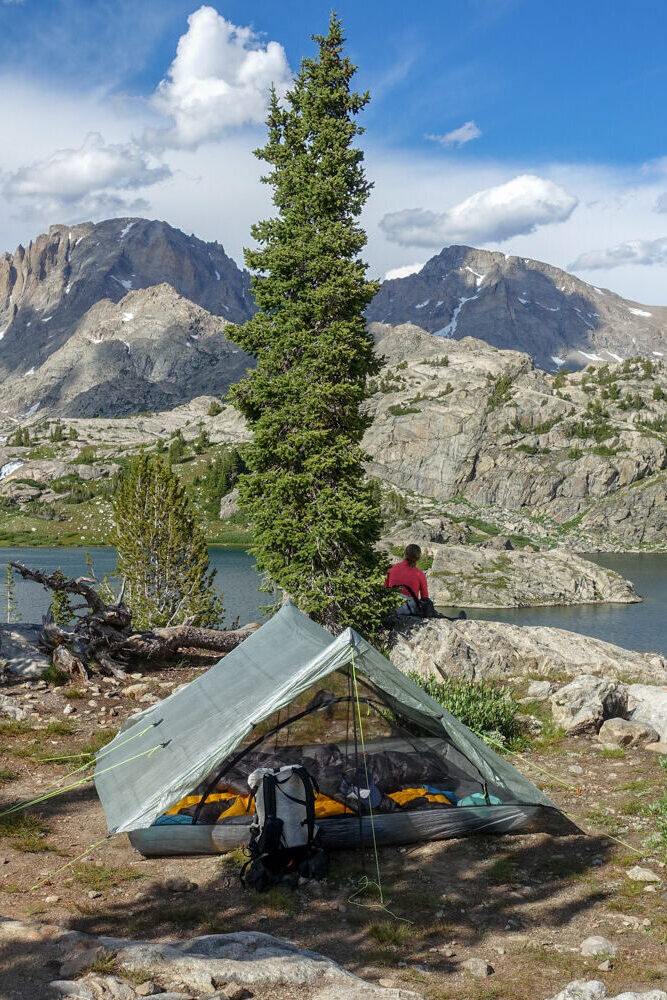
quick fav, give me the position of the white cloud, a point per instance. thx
(81, 178)
(458, 136)
(661, 203)
(493, 215)
(645, 252)
(403, 272)
(220, 79)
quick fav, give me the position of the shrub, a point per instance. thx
(214, 409)
(500, 393)
(397, 410)
(484, 707)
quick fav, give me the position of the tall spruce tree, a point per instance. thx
(315, 518)
(161, 550)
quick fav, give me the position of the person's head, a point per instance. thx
(412, 554)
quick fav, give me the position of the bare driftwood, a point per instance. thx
(104, 640)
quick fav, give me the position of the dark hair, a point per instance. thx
(412, 554)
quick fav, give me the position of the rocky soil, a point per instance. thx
(521, 304)
(516, 917)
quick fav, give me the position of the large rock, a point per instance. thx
(479, 649)
(584, 704)
(647, 704)
(20, 651)
(484, 578)
(627, 733)
(593, 989)
(199, 964)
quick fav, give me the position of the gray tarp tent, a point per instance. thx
(164, 752)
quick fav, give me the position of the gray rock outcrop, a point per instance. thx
(627, 733)
(593, 989)
(484, 578)
(479, 649)
(520, 304)
(647, 704)
(476, 429)
(584, 704)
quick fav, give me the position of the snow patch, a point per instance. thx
(450, 329)
(656, 354)
(479, 278)
(126, 230)
(420, 305)
(68, 287)
(217, 275)
(33, 409)
(639, 312)
(524, 302)
(598, 290)
(127, 317)
(616, 357)
(125, 282)
(558, 361)
(30, 371)
(47, 319)
(551, 309)
(9, 467)
(591, 357)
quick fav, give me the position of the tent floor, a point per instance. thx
(343, 832)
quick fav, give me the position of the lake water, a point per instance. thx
(636, 626)
(236, 577)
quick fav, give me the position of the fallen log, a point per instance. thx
(103, 640)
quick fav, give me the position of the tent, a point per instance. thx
(172, 748)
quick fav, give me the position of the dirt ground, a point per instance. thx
(524, 903)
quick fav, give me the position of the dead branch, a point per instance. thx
(103, 639)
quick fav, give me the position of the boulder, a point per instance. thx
(593, 989)
(477, 650)
(19, 649)
(596, 945)
(478, 968)
(639, 874)
(584, 704)
(10, 708)
(627, 733)
(229, 504)
(647, 703)
(539, 690)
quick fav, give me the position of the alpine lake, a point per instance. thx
(642, 627)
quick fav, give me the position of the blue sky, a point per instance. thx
(534, 127)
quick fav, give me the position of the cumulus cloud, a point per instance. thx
(661, 203)
(498, 213)
(87, 179)
(403, 272)
(458, 136)
(220, 78)
(645, 252)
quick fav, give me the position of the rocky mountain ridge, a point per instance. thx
(64, 296)
(521, 304)
(62, 310)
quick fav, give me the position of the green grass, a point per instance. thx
(99, 740)
(54, 675)
(613, 753)
(25, 832)
(390, 935)
(7, 775)
(103, 877)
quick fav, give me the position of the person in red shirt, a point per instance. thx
(406, 575)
